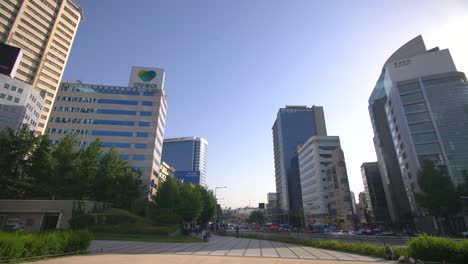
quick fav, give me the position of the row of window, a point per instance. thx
(13, 88)
(100, 101)
(9, 98)
(107, 90)
(64, 131)
(134, 157)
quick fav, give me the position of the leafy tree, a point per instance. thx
(256, 217)
(463, 188)
(208, 205)
(65, 184)
(41, 170)
(116, 182)
(168, 194)
(439, 197)
(190, 204)
(14, 159)
(87, 168)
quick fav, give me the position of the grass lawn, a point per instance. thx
(147, 238)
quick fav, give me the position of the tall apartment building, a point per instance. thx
(326, 196)
(130, 119)
(376, 201)
(188, 155)
(293, 126)
(45, 31)
(424, 99)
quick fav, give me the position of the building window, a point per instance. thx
(9, 98)
(115, 112)
(140, 146)
(111, 133)
(6, 86)
(145, 113)
(142, 134)
(147, 103)
(16, 100)
(2, 95)
(20, 90)
(144, 124)
(138, 157)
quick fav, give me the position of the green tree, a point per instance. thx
(87, 169)
(41, 170)
(208, 205)
(190, 204)
(256, 217)
(14, 161)
(168, 194)
(65, 183)
(439, 197)
(116, 183)
(463, 188)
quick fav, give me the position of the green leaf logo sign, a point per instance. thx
(146, 76)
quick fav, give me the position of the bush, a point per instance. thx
(24, 245)
(429, 248)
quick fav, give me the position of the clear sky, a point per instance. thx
(230, 65)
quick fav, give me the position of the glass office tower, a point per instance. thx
(294, 125)
(424, 99)
(188, 155)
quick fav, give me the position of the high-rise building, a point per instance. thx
(423, 99)
(293, 126)
(130, 119)
(326, 196)
(45, 31)
(20, 104)
(353, 202)
(188, 155)
(375, 197)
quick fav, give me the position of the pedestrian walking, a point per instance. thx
(204, 235)
(237, 231)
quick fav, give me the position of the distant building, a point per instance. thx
(293, 126)
(20, 104)
(165, 172)
(324, 182)
(188, 155)
(353, 202)
(45, 32)
(375, 196)
(129, 119)
(361, 208)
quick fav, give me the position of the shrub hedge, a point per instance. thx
(430, 248)
(25, 245)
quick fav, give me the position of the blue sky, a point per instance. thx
(230, 65)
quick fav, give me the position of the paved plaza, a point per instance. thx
(227, 246)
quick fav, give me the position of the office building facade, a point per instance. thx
(425, 108)
(293, 126)
(20, 104)
(326, 196)
(188, 155)
(376, 201)
(129, 119)
(165, 172)
(45, 31)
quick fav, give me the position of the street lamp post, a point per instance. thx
(217, 213)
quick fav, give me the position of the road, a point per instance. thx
(226, 247)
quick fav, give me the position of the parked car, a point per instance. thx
(274, 228)
(465, 234)
(284, 227)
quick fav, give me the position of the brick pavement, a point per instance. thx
(227, 246)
